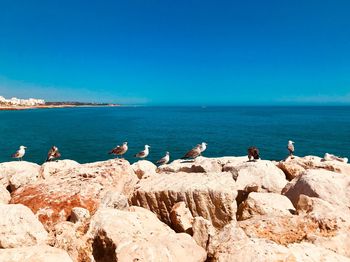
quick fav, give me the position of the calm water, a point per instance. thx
(87, 134)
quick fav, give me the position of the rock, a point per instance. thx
(203, 232)
(329, 186)
(114, 199)
(286, 230)
(144, 169)
(251, 250)
(264, 204)
(18, 173)
(71, 238)
(232, 244)
(319, 210)
(52, 199)
(198, 165)
(292, 170)
(19, 227)
(34, 254)
(49, 169)
(5, 195)
(138, 235)
(210, 195)
(263, 174)
(309, 253)
(79, 215)
(181, 218)
(294, 167)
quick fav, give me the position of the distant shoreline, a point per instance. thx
(16, 108)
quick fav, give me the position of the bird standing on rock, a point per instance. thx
(53, 154)
(20, 153)
(193, 153)
(119, 150)
(291, 148)
(253, 153)
(144, 153)
(164, 160)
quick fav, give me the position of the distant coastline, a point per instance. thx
(25, 104)
(48, 106)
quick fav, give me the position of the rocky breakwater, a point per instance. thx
(209, 209)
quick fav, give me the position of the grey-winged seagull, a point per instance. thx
(20, 153)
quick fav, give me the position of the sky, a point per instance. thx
(177, 52)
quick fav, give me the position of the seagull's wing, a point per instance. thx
(140, 154)
(15, 155)
(117, 150)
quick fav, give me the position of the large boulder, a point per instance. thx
(231, 244)
(40, 253)
(329, 186)
(210, 195)
(144, 168)
(306, 252)
(289, 229)
(18, 173)
(72, 238)
(294, 167)
(52, 199)
(138, 235)
(264, 204)
(319, 210)
(198, 165)
(114, 199)
(19, 227)
(262, 173)
(49, 169)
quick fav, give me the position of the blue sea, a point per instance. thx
(87, 134)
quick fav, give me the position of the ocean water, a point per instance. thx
(87, 134)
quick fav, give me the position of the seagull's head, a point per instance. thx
(167, 153)
(22, 147)
(125, 143)
(147, 146)
(204, 144)
(55, 148)
(290, 142)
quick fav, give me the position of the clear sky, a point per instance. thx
(177, 52)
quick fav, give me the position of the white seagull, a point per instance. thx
(291, 147)
(20, 153)
(164, 160)
(144, 153)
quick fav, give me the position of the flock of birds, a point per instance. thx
(120, 150)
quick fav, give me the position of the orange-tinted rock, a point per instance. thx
(52, 199)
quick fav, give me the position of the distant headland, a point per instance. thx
(33, 103)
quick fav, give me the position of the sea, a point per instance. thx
(87, 134)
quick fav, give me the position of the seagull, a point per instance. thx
(253, 153)
(20, 153)
(53, 154)
(164, 160)
(290, 147)
(144, 153)
(119, 150)
(194, 152)
(203, 147)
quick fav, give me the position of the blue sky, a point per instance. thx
(177, 52)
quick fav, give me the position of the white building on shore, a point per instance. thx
(14, 101)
